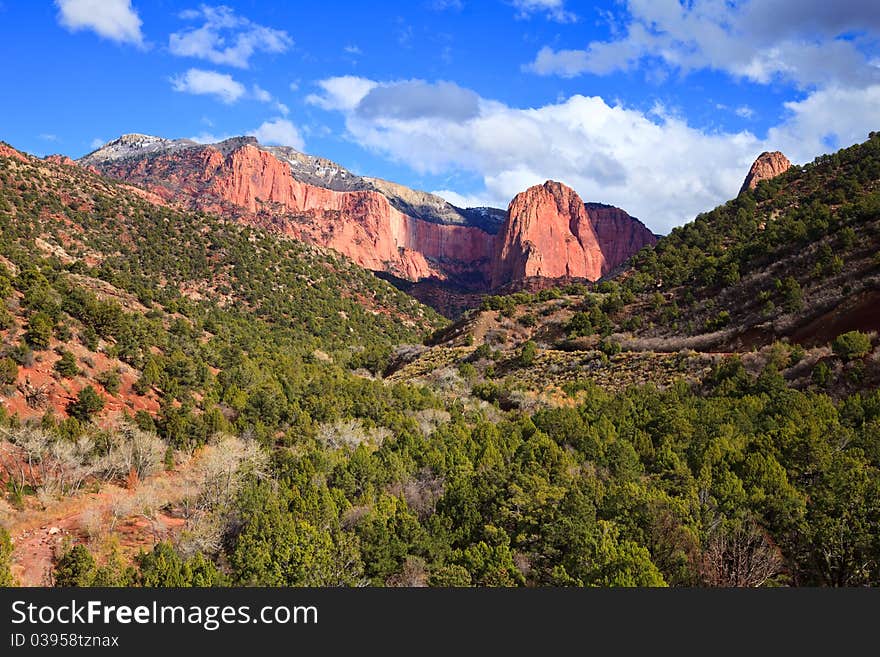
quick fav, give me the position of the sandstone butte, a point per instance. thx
(767, 166)
(549, 231)
(549, 235)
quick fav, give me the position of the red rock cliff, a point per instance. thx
(767, 166)
(620, 235)
(361, 225)
(550, 233)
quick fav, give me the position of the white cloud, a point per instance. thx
(564, 63)
(808, 42)
(208, 138)
(443, 5)
(226, 38)
(654, 165)
(553, 9)
(817, 125)
(341, 93)
(276, 131)
(744, 111)
(209, 83)
(462, 200)
(96, 143)
(413, 99)
(46, 136)
(352, 49)
(281, 132)
(116, 20)
(261, 94)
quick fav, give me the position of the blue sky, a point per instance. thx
(653, 105)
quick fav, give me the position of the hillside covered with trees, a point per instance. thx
(627, 433)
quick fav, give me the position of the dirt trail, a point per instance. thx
(39, 535)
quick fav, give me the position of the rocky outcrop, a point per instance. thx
(619, 235)
(60, 159)
(8, 151)
(362, 225)
(547, 232)
(551, 233)
(767, 166)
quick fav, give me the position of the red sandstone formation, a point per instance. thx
(361, 225)
(620, 236)
(767, 166)
(8, 151)
(549, 232)
(60, 159)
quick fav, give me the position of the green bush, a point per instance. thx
(527, 353)
(87, 404)
(39, 331)
(111, 381)
(852, 345)
(76, 567)
(484, 351)
(610, 347)
(791, 293)
(22, 354)
(718, 322)
(467, 371)
(5, 559)
(66, 365)
(580, 325)
(8, 371)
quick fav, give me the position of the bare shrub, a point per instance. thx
(407, 353)
(523, 563)
(414, 573)
(46, 463)
(429, 419)
(448, 379)
(69, 464)
(121, 508)
(524, 400)
(420, 492)
(7, 513)
(350, 433)
(147, 502)
(46, 495)
(203, 535)
(92, 523)
(742, 556)
(132, 450)
(223, 468)
(35, 397)
(354, 515)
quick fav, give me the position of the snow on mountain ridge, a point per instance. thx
(310, 169)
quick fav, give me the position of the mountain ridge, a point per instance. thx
(381, 225)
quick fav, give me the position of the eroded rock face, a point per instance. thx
(8, 151)
(362, 225)
(547, 231)
(551, 233)
(620, 235)
(767, 166)
(60, 159)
